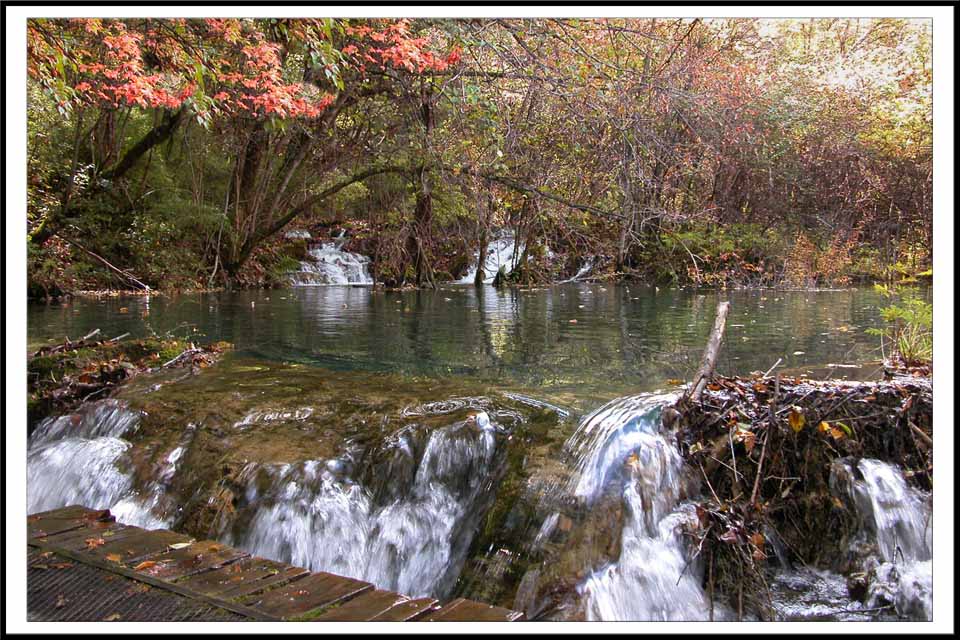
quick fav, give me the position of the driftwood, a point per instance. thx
(121, 272)
(710, 353)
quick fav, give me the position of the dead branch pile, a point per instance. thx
(764, 448)
(60, 377)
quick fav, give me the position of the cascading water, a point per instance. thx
(501, 252)
(80, 458)
(621, 449)
(897, 518)
(330, 264)
(410, 533)
(585, 268)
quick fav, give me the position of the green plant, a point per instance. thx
(909, 326)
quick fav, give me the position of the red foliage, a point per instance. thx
(237, 67)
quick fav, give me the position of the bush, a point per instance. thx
(910, 327)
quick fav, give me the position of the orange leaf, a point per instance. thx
(114, 557)
(796, 419)
(145, 565)
(93, 543)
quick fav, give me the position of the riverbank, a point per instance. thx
(64, 376)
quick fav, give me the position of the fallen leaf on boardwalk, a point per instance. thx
(93, 543)
(145, 565)
(62, 565)
(39, 566)
(180, 545)
(796, 419)
(112, 617)
(114, 557)
(61, 601)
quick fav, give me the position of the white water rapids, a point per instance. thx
(404, 512)
(330, 264)
(621, 448)
(81, 459)
(501, 252)
(898, 519)
(313, 515)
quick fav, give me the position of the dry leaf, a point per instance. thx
(145, 565)
(114, 557)
(796, 419)
(93, 543)
(112, 617)
(179, 545)
(61, 601)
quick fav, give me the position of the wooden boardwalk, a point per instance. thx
(83, 565)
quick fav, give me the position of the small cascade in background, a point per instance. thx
(897, 519)
(81, 458)
(620, 448)
(408, 529)
(581, 273)
(501, 252)
(330, 264)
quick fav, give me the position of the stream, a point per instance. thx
(500, 445)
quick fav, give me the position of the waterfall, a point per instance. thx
(409, 533)
(897, 518)
(585, 268)
(81, 458)
(500, 252)
(330, 264)
(620, 448)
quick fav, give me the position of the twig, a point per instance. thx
(779, 360)
(917, 430)
(120, 337)
(89, 335)
(715, 497)
(763, 452)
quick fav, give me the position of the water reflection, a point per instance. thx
(577, 338)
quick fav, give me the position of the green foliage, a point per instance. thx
(909, 327)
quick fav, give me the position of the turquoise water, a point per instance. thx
(584, 342)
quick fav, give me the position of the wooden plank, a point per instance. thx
(76, 539)
(364, 607)
(461, 610)
(243, 577)
(307, 594)
(140, 546)
(198, 557)
(114, 569)
(409, 610)
(48, 523)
